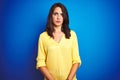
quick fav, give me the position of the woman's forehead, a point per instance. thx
(58, 9)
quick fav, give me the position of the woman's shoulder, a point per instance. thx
(73, 33)
(44, 35)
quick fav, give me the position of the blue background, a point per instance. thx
(96, 22)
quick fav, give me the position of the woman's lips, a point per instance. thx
(58, 21)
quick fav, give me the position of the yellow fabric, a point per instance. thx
(58, 57)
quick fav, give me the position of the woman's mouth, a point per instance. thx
(58, 21)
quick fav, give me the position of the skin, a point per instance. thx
(57, 21)
(57, 17)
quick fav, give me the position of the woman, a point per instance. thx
(58, 55)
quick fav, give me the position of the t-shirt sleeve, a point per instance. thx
(75, 50)
(41, 57)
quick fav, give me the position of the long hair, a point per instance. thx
(65, 26)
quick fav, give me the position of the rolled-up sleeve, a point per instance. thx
(75, 50)
(41, 57)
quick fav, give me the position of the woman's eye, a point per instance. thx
(55, 13)
(61, 14)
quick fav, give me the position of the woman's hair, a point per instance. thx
(65, 26)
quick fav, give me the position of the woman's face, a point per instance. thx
(57, 17)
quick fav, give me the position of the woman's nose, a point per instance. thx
(58, 16)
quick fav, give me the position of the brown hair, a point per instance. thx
(65, 26)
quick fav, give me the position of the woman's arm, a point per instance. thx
(73, 71)
(46, 73)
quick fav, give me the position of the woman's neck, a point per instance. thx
(57, 29)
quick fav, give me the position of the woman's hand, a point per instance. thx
(68, 79)
(73, 71)
(51, 79)
(46, 73)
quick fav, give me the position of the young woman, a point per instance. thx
(58, 54)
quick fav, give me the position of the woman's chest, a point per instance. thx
(64, 44)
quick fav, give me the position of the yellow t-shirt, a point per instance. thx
(58, 57)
